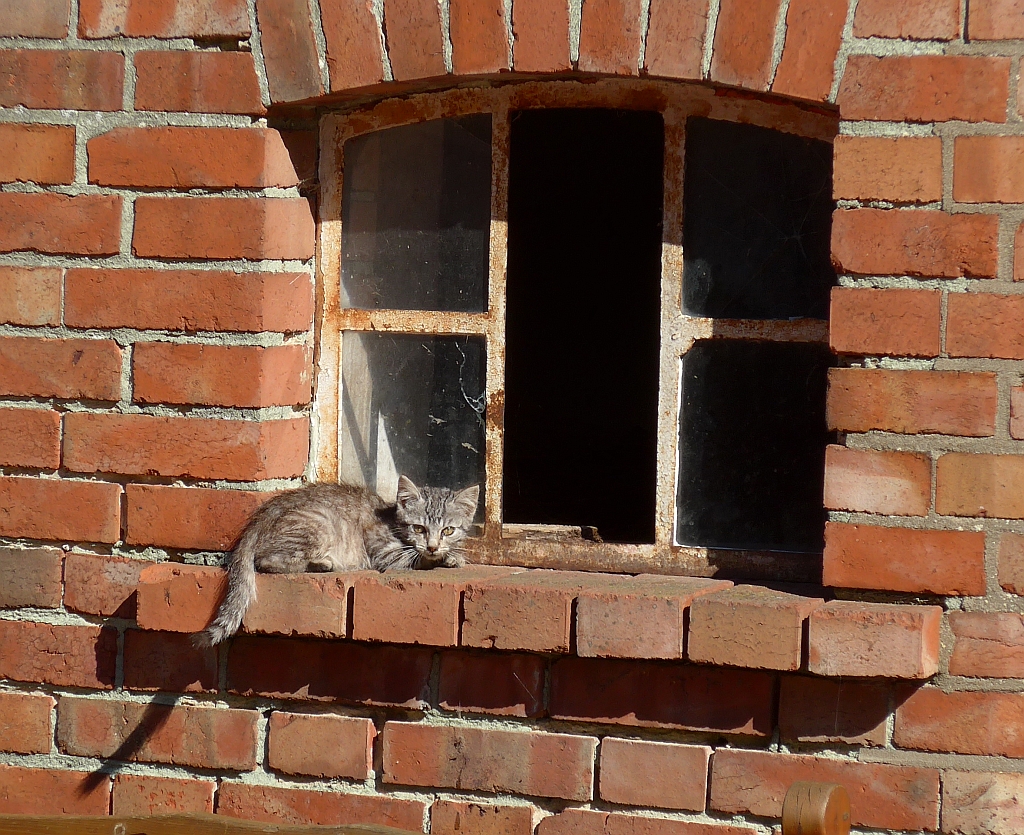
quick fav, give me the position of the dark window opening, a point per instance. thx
(583, 320)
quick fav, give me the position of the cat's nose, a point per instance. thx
(431, 548)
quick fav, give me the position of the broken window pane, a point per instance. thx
(758, 215)
(416, 208)
(752, 445)
(412, 405)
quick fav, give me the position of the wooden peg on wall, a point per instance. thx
(816, 809)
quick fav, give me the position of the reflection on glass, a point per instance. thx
(412, 405)
(752, 446)
(758, 217)
(416, 207)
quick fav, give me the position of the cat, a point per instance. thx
(341, 527)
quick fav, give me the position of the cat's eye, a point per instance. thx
(448, 531)
(419, 529)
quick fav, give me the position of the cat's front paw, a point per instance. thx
(454, 561)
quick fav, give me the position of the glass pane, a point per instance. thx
(416, 208)
(757, 223)
(412, 405)
(752, 445)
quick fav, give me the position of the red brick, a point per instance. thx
(975, 803)
(56, 224)
(197, 82)
(980, 485)
(749, 626)
(75, 511)
(917, 242)
(289, 50)
(222, 375)
(987, 645)
(180, 446)
(188, 300)
(26, 727)
(820, 710)
(294, 806)
(995, 20)
(645, 618)
(67, 656)
(987, 169)
(30, 295)
(658, 774)
(167, 661)
(163, 19)
(920, 20)
(540, 31)
(925, 88)
(29, 437)
(136, 794)
(178, 598)
(985, 325)
(744, 40)
(30, 577)
(321, 745)
(100, 585)
(904, 169)
(1017, 413)
(662, 696)
(492, 682)
(610, 37)
(42, 19)
(179, 735)
(478, 759)
(39, 791)
(300, 604)
(478, 35)
(37, 153)
(848, 639)
(889, 483)
(675, 38)
(414, 38)
(963, 722)
(902, 323)
(448, 817)
(66, 368)
(223, 227)
(912, 402)
(303, 146)
(353, 39)
(881, 796)
(330, 671)
(903, 559)
(814, 30)
(61, 79)
(585, 822)
(1011, 562)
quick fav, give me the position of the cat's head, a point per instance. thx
(435, 521)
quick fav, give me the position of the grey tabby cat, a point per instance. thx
(340, 527)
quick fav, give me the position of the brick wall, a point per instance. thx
(156, 314)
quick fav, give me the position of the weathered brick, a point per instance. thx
(985, 325)
(540, 30)
(188, 300)
(903, 559)
(821, 710)
(30, 295)
(1017, 413)
(478, 35)
(649, 694)
(964, 722)
(987, 644)
(163, 18)
(814, 30)
(138, 794)
(749, 626)
(994, 20)
(917, 242)
(977, 803)
(56, 224)
(912, 402)
(889, 483)
(239, 450)
(167, 661)
(675, 38)
(479, 759)
(26, 727)
(610, 37)
(37, 153)
(902, 323)
(450, 816)
(658, 774)
(42, 19)
(66, 368)
(40, 791)
(881, 796)
(353, 40)
(300, 604)
(61, 79)
(980, 485)
(848, 639)
(987, 169)
(321, 745)
(178, 598)
(100, 585)
(1011, 562)
(196, 518)
(67, 656)
(289, 50)
(30, 577)
(585, 822)
(223, 227)
(51, 509)
(906, 169)
(29, 437)
(197, 82)
(921, 20)
(177, 735)
(492, 682)
(414, 38)
(744, 40)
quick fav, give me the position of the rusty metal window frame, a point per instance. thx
(518, 544)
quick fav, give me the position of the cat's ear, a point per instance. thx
(407, 491)
(466, 500)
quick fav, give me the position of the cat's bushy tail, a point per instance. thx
(241, 592)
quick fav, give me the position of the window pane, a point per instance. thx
(752, 445)
(757, 223)
(412, 405)
(416, 208)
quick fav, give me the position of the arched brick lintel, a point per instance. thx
(312, 48)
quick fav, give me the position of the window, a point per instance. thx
(605, 302)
